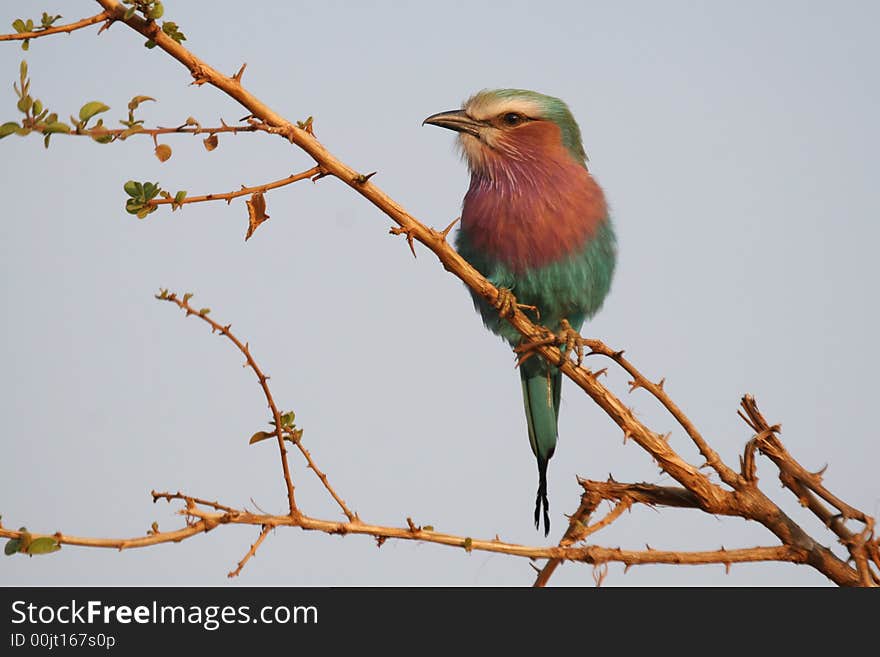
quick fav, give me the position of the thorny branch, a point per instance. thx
(737, 495)
(125, 133)
(244, 348)
(244, 191)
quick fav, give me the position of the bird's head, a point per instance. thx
(512, 124)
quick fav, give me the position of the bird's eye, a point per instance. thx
(512, 118)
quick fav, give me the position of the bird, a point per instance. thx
(536, 224)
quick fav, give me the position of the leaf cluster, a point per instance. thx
(21, 26)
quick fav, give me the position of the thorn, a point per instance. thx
(820, 471)
(536, 569)
(634, 385)
(446, 230)
(626, 435)
(360, 179)
(617, 354)
(380, 540)
(666, 436)
(650, 549)
(319, 175)
(599, 373)
(400, 230)
(237, 76)
(626, 568)
(661, 382)
(412, 525)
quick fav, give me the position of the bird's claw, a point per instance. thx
(572, 341)
(506, 304)
(567, 340)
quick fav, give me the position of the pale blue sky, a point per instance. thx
(736, 143)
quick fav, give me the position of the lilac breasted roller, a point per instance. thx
(534, 223)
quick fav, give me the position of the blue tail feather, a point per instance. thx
(541, 394)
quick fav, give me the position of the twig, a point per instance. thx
(152, 132)
(728, 476)
(186, 498)
(263, 379)
(69, 27)
(353, 517)
(252, 552)
(244, 191)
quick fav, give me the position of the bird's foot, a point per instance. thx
(528, 348)
(572, 341)
(506, 304)
(567, 339)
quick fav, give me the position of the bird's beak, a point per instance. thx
(457, 120)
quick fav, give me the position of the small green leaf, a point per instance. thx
(38, 106)
(24, 539)
(428, 528)
(171, 29)
(12, 546)
(468, 544)
(287, 419)
(156, 11)
(204, 311)
(47, 20)
(23, 70)
(129, 13)
(58, 126)
(150, 44)
(125, 134)
(8, 128)
(260, 435)
(43, 545)
(178, 199)
(26, 45)
(88, 110)
(133, 188)
(18, 25)
(137, 100)
(187, 296)
(24, 104)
